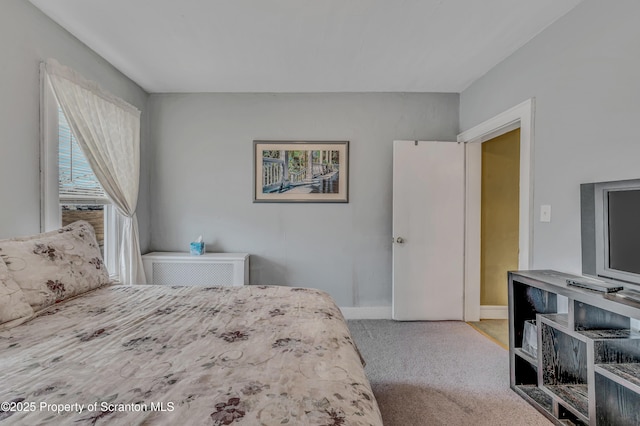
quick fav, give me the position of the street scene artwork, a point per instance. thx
(301, 171)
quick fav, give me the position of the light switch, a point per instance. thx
(545, 213)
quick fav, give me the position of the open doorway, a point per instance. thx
(519, 117)
(499, 208)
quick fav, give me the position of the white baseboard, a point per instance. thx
(366, 312)
(384, 312)
(494, 312)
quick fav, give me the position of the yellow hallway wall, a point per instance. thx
(499, 215)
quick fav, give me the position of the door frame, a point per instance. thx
(520, 116)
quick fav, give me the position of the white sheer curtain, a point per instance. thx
(108, 132)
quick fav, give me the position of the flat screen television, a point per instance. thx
(617, 230)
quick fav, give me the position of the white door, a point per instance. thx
(428, 230)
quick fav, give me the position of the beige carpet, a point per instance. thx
(439, 373)
(495, 329)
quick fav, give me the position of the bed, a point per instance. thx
(253, 355)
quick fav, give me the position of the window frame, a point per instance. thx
(50, 211)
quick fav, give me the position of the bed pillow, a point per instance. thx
(13, 304)
(55, 265)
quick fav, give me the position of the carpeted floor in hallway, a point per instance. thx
(495, 329)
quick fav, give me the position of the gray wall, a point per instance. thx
(202, 183)
(584, 74)
(28, 37)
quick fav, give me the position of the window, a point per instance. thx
(70, 189)
(81, 196)
(76, 180)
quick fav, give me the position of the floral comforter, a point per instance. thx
(251, 355)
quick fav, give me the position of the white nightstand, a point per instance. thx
(210, 269)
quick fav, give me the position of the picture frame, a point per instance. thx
(301, 171)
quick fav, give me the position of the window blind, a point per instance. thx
(77, 182)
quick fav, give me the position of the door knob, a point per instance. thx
(400, 240)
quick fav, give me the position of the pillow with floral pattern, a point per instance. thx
(13, 304)
(55, 265)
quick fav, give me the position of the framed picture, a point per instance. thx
(301, 172)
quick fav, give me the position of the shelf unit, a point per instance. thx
(587, 367)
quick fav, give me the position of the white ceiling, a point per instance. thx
(304, 45)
